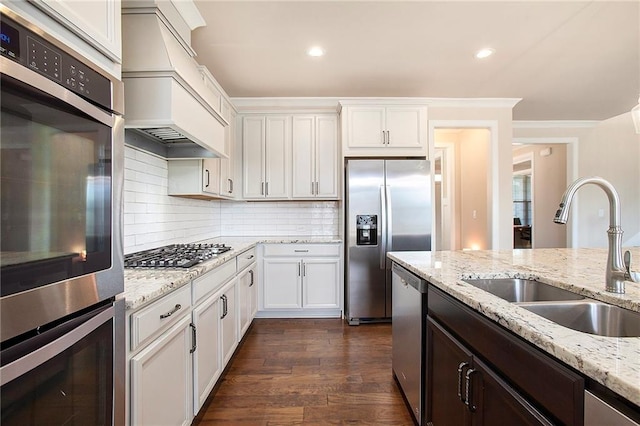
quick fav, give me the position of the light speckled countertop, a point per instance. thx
(613, 362)
(144, 285)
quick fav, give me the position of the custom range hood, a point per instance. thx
(169, 110)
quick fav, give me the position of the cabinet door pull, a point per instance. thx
(251, 275)
(224, 306)
(230, 185)
(317, 190)
(469, 392)
(304, 269)
(299, 268)
(461, 368)
(193, 338)
(262, 189)
(171, 312)
(267, 188)
(312, 188)
(250, 257)
(301, 251)
(207, 173)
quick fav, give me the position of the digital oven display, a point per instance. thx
(9, 41)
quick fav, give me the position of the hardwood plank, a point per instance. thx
(252, 416)
(309, 372)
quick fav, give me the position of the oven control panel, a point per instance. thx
(34, 52)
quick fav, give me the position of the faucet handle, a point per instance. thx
(630, 275)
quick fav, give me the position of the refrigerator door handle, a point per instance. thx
(383, 219)
(389, 239)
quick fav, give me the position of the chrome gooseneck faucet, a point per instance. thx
(618, 269)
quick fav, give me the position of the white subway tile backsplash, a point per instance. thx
(152, 218)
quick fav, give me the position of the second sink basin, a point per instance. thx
(522, 290)
(590, 316)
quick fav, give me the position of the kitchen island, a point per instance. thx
(609, 361)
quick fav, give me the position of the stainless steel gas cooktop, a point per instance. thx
(174, 256)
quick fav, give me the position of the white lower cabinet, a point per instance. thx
(228, 321)
(282, 288)
(177, 353)
(320, 283)
(247, 298)
(207, 365)
(161, 392)
(301, 280)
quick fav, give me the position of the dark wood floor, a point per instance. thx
(311, 372)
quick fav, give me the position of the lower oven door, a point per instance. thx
(66, 375)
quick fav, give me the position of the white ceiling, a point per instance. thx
(568, 60)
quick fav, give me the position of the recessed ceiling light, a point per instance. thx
(315, 51)
(485, 53)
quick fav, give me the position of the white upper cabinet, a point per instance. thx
(266, 150)
(227, 168)
(96, 21)
(384, 130)
(93, 28)
(194, 178)
(315, 156)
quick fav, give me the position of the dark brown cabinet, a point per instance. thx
(478, 373)
(465, 391)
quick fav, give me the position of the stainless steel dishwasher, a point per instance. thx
(409, 311)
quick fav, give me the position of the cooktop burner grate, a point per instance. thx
(174, 256)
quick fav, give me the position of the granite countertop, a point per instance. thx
(613, 362)
(144, 285)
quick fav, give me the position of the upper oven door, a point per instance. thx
(55, 178)
(61, 192)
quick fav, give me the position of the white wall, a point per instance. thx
(610, 149)
(153, 219)
(473, 179)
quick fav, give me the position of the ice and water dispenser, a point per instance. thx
(367, 230)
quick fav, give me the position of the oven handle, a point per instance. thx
(33, 79)
(41, 355)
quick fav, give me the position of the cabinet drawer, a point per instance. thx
(159, 315)
(212, 280)
(302, 250)
(246, 258)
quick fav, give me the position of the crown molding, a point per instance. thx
(555, 124)
(190, 13)
(333, 104)
(285, 105)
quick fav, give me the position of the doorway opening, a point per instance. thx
(522, 189)
(540, 176)
(463, 178)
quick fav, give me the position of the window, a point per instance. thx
(521, 188)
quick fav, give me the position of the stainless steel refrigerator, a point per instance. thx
(387, 208)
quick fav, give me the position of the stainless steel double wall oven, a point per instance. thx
(61, 257)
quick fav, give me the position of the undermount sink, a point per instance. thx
(590, 316)
(522, 290)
